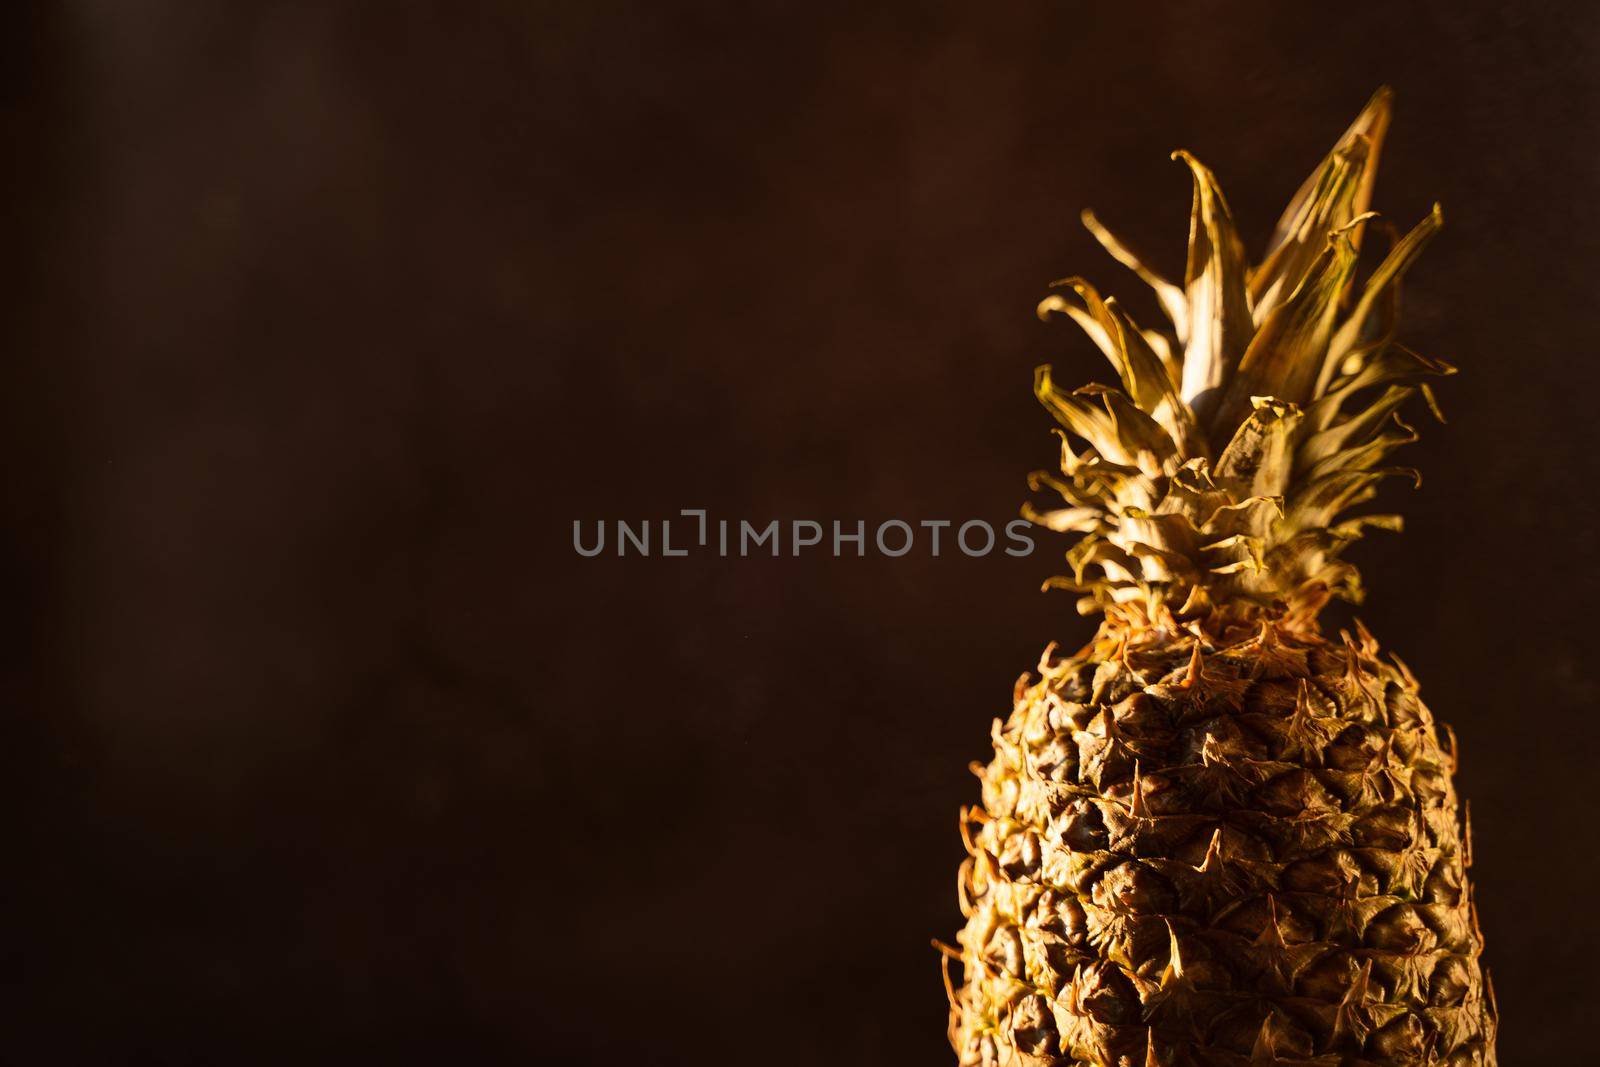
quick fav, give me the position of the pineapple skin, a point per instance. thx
(1232, 848)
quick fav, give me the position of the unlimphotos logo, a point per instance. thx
(740, 537)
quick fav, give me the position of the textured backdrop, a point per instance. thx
(320, 744)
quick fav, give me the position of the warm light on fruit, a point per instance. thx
(1216, 835)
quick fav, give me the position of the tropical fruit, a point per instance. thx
(1216, 835)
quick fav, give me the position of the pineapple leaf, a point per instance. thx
(1172, 299)
(1284, 357)
(1383, 281)
(1214, 279)
(1349, 192)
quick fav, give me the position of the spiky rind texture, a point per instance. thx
(1229, 851)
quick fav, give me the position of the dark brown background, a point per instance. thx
(322, 746)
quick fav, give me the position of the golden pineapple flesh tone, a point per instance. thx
(1217, 835)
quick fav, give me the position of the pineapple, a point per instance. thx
(1216, 835)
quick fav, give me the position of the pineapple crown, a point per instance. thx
(1215, 481)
